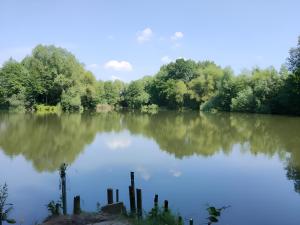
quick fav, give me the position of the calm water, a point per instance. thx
(251, 162)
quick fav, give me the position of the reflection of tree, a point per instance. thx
(293, 173)
(50, 140)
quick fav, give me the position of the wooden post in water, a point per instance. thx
(156, 201)
(180, 220)
(132, 199)
(76, 206)
(139, 202)
(132, 193)
(166, 206)
(132, 179)
(191, 222)
(110, 196)
(117, 195)
(63, 168)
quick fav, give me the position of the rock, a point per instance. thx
(114, 209)
(87, 219)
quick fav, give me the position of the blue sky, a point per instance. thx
(130, 39)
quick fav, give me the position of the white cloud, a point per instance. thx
(115, 77)
(118, 143)
(144, 173)
(166, 59)
(144, 35)
(177, 35)
(118, 65)
(175, 173)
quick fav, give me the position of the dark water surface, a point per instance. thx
(251, 162)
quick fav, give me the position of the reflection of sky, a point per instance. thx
(255, 186)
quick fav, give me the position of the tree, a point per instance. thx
(53, 71)
(174, 92)
(181, 69)
(89, 97)
(294, 59)
(244, 101)
(293, 80)
(135, 95)
(14, 80)
(70, 99)
(113, 91)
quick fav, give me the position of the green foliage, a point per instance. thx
(135, 95)
(179, 70)
(152, 109)
(5, 208)
(70, 100)
(45, 109)
(174, 91)
(158, 216)
(244, 101)
(52, 76)
(54, 208)
(214, 214)
(113, 91)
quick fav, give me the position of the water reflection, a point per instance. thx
(50, 140)
(228, 158)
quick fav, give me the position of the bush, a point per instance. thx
(44, 109)
(17, 103)
(210, 105)
(104, 108)
(244, 101)
(158, 216)
(152, 109)
(71, 101)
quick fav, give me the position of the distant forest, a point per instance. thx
(52, 76)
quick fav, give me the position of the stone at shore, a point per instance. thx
(111, 214)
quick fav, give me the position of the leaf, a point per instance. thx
(8, 210)
(213, 211)
(11, 221)
(213, 219)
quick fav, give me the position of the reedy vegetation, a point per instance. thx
(53, 76)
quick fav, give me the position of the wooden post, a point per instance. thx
(191, 222)
(76, 206)
(132, 199)
(132, 179)
(117, 195)
(110, 196)
(180, 220)
(63, 187)
(166, 206)
(139, 202)
(156, 201)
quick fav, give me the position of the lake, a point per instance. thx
(250, 162)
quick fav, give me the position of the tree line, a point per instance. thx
(53, 76)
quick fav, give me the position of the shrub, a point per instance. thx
(152, 109)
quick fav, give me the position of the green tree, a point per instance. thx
(53, 71)
(135, 95)
(244, 101)
(174, 92)
(181, 69)
(14, 82)
(113, 91)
